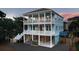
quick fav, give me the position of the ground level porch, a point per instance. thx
(46, 41)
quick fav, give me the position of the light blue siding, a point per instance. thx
(56, 39)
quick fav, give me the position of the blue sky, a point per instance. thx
(19, 11)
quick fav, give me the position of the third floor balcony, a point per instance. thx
(37, 21)
(40, 17)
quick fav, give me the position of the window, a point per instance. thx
(35, 27)
(56, 27)
(48, 27)
(42, 17)
(30, 27)
(41, 27)
(59, 27)
(55, 18)
(48, 16)
(25, 27)
(53, 39)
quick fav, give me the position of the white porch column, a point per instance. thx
(38, 39)
(44, 22)
(32, 37)
(23, 25)
(39, 17)
(50, 41)
(32, 18)
(32, 27)
(51, 31)
(44, 16)
(51, 16)
(39, 22)
(23, 31)
(39, 29)
(24, 38)
(51, 23)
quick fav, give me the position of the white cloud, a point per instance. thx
(10, 17)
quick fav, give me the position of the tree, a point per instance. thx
(74, 26)
(6, 28)
(19, 24)
(2, 14)
(74, 29)
(9, 28)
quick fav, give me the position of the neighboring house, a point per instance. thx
(2, 14)
(42, 27)
(67, 24)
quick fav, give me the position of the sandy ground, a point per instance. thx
(5, 47)
(25, 47)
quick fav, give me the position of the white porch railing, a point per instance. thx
(37, 20)
(40, 32)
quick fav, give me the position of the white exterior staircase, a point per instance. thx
(18, 37)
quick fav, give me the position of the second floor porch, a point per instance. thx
(46, 33)
(41, 27)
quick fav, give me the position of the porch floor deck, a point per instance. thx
(46, 45)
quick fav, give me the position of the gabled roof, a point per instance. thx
(41, 9)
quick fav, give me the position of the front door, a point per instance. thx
(45, 39)
(28, 39)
